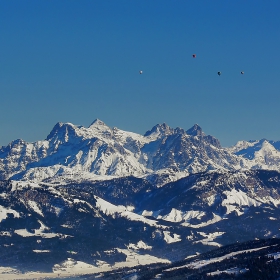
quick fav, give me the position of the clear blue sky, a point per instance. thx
(75, 61)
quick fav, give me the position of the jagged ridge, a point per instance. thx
(162, 154)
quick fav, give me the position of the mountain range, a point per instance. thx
(86, 200)
(163, 154)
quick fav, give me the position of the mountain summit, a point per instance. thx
(98, 122)
(159, 129)
(196, 130)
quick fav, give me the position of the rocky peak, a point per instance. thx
(196, 130)
(97, 122)
(159, 129)
(62, 131)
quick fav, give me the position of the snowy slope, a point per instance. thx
(128, 219)
(261, 154)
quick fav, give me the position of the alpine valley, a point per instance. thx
(96, 199)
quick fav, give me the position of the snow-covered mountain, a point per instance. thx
(99, 198)
(163, 154)
(260, 154)
(128, 221)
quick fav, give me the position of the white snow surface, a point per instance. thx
(175, 215)
(275, 255)
(71, 265)
(200, 263)
(133, 259)
(41, 251)
(35, 207)
(237, 197)
(215, 219)
(265, 155)
(241, 145)
(112, 210)
(171, 239)
(39, 232)
(140, 245)
(4, 211)
(5, 233)
(234, 270)
(209, 238)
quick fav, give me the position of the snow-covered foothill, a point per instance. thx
(200, 263)
(5, 211)
(140, 245)
(112, 210)
(171, 239)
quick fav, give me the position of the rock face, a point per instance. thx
(163, 154)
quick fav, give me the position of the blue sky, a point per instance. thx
(75, 61)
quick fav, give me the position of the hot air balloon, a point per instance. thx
(242, 72)
(219, 73)
(194, 55)
(140, 72)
